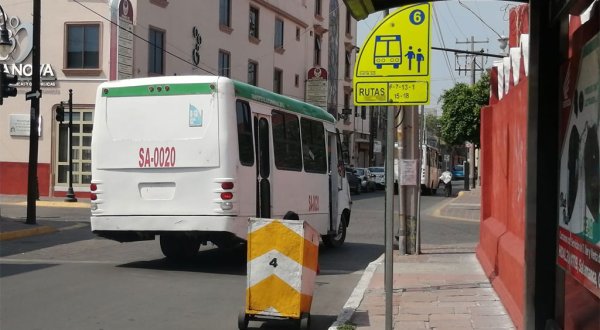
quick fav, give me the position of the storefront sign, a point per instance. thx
(20, 34)
(125, 40)
(579, 198)
(20, 124)
(316, 87)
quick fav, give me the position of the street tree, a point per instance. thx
(461, 107)
(432, 126)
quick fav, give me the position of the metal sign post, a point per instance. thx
(392, 69)
(389, 219)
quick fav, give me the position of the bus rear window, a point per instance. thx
(244, 127)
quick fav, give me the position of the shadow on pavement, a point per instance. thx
(332, 261)
(213, 260)
(316, 322)
(15, 269)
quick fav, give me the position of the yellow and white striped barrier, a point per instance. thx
(282, 267)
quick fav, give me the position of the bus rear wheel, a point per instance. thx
(179, 247)
(337, 239)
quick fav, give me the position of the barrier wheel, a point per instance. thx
(304, 321)
(243, 320)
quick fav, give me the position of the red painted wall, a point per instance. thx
(503, 151)
(502, 231)
(13, 178)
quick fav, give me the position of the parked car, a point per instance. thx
(366, 179)
(353, 181)
(379, 176)
(458, 172)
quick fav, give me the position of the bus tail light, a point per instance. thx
(226, 195)
(93, 188)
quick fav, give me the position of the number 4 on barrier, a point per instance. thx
(273, 262)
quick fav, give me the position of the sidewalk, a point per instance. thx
(446, 290)
(13, 215)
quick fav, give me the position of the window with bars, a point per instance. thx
(253, 73)
(81, 149)
(254, 19)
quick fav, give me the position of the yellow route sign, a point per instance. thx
(392, 66)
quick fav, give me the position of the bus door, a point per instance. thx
(263, 168)
(336, 173)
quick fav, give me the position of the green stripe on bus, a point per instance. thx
(152, 90)
(263, 96)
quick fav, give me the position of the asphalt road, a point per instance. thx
(72, 280)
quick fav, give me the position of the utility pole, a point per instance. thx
(401, 154)
(34, 96)
(332, 63)
(413, 192)
(473, 68)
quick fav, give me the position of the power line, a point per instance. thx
(454, 20)
(482, 21)
(437, 23)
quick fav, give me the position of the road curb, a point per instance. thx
(16, 234)
(82, 205)
(357, 295)
(438, 211)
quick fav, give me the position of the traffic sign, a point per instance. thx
(392, 67)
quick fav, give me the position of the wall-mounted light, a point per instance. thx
(346, 112)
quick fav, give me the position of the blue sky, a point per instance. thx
(452, 22)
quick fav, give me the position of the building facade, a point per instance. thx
(270, 44)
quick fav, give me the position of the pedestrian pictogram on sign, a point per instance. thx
(393, 64)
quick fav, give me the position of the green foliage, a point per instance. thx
(432, 126)
(461, 107)
(347, 326)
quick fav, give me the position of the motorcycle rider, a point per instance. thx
(446, 177)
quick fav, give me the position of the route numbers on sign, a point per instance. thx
(393, 65)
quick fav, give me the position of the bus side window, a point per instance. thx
(245, 137)
(286, 141)
(313, 146)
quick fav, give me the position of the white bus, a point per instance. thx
(431, 169)
(191, 158)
